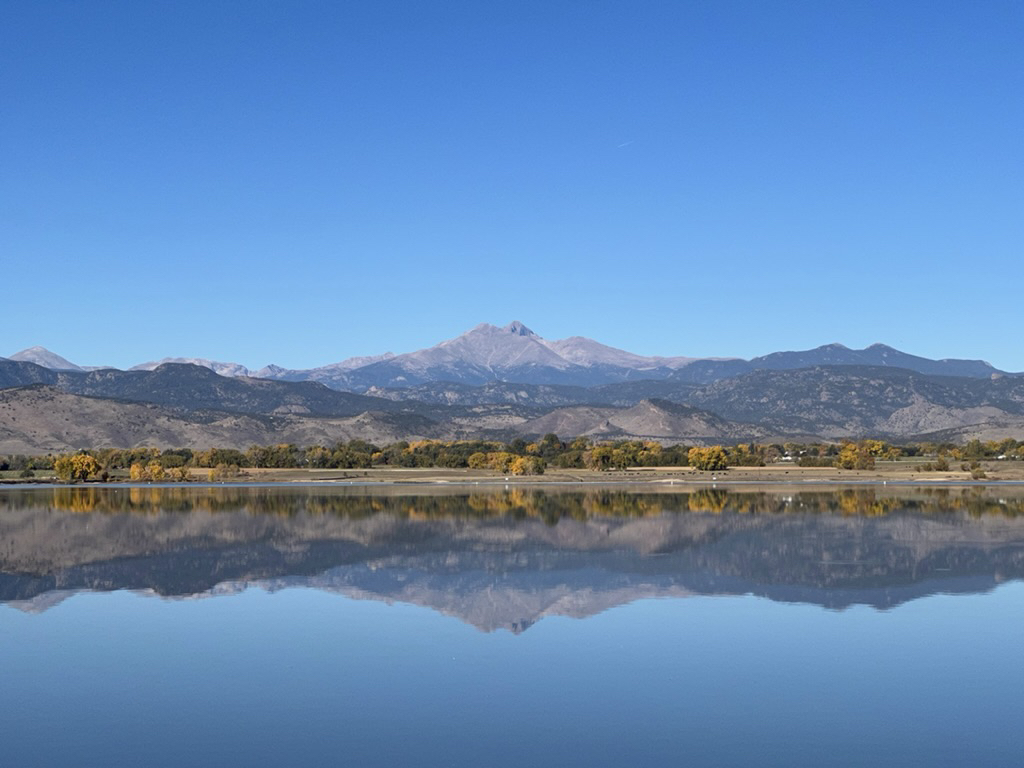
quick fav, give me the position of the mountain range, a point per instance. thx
(515, 354)
(498, 383)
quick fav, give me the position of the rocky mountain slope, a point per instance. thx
(847, 401)
(192, 387)
(648, 419)
(42, 419)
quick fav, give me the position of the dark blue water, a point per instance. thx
(332, 667)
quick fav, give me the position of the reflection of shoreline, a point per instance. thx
(730, 479)
(569, 501)
(507, 559)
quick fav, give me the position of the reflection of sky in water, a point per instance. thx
(305, 677)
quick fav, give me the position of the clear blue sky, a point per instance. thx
(300, 182)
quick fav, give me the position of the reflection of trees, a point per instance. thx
(865, 504)
(549, 506)
(712, 500)
(81, 500)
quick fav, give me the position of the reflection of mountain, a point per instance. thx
(508, 559)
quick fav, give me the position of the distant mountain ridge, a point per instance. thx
(39, 412)
(502, 383)
(193, 387)
(514, 354)
(853, 401)
(879, 355)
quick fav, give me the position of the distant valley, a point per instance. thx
(500, 383)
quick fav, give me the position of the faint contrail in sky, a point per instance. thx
(625, 144)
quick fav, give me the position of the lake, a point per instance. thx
(268, 626)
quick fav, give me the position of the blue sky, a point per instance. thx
(300, 182)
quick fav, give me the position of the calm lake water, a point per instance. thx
(311, 626)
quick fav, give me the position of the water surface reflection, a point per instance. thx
(743, 668)
(509, 558)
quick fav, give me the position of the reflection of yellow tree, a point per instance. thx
(848, 503)
(152, 500)
(76, 500)
(752, 504)
(712, 500)
(503, 502)
(865, 504)
(621, 504)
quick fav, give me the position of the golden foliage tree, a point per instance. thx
(79, 466)
(856, 455)
(709, 459)
(527, 465)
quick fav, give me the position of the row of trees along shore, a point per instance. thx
(517, 457)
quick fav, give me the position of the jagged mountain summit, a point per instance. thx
(489, 353)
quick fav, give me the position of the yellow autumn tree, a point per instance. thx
(76, 467)
(855, 456)
(527, 465)
(709, 459)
